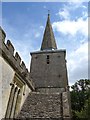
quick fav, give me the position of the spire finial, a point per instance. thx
(48, 12)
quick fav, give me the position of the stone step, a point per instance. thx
(42, 106)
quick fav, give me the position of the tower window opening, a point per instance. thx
(47, 56)
(48, 61)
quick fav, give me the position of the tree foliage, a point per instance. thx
(80, 99)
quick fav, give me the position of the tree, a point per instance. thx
(80, 98)
(84, 113)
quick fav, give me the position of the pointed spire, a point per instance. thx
(48, 42)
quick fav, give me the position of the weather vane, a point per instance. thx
(48, 12)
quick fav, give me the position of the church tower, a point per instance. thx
(48, 71)
(48, 66)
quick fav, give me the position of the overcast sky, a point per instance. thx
(24, 24)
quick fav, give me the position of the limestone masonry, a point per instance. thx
(41, 93)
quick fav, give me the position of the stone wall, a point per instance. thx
(52, 74)
(12, 71)
(50, 90)
(46, 105)
(0, 89)
(13, 59)
(66, 104)
(7, 77)
(43, 105)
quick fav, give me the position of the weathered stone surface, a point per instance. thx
(66, 104)
(10, 47)
(2, 34)
(7, 52)
(48, 38)
(10, 67)
(18, 58)
(52, 74)
(41, 105)
(7, 75)
(50, 90)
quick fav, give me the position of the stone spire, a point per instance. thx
(48, 42)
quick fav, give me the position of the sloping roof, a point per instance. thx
(41, 105)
